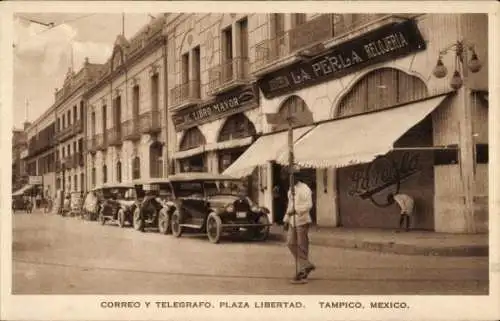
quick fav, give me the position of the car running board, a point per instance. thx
(190, 225)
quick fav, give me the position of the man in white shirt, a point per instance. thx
(407, 205)
(298, 219)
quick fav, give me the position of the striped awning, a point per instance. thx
(359, 139)
(266, 148)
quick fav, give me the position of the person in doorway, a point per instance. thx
(407, 204)
(297, 221)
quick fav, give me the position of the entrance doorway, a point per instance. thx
(281, 187)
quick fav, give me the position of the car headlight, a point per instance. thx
(255, 209)
(230, 208)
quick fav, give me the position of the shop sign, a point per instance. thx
(232, 103)
(383, 176)
(386, 43)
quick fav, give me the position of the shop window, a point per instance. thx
(155, 158)
(380, 89)
(155, 96)
(298, 19)
(192, 139)
(136, 168)
(482, 154)
(92, 124)
(104, 118)
(135, 102)
(119, 172)
(294, 105)
(93, 176)
(236, 126)
(446, 156)
(104, 173)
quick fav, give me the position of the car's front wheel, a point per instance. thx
(176, 224)
(138, 223)
(261, 233)
(164, 225)
(214, 228)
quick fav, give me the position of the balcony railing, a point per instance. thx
(78, 127)
(65, 133)
(185, 94)
(115, 136)
(130, 129)
(228, 75)
(317, 30)
(68, 162)
(149, 122)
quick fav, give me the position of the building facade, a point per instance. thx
(356, 64)
(70, 124)
(19, 145)
(126, 117)
(214, 101)
(40, 158)
(197, 92)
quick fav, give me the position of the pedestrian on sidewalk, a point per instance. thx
(297, 221)
(406, 204)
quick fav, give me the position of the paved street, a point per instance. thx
(56, 255)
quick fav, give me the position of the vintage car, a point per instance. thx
(116, 203)
(202, 202)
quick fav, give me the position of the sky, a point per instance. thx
(42, 55)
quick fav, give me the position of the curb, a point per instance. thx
(393, 248)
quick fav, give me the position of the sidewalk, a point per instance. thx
(389, 241)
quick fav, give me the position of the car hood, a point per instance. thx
(222, 200)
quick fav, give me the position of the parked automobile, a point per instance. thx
(119, 203)
(202, 202)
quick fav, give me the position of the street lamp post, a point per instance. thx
(462, 66)
(290, 120)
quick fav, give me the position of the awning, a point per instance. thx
(22, 190)
(233, 143)
(266, 148)
(359, 139)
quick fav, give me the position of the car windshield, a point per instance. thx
(225, 187)
(116, 192)
(185, 189)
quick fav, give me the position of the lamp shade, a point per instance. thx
(474, 63)
(440, 70)
(456, 80)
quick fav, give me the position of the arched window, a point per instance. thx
(294, 105)
(155, 159)
(192, 138)
(379, 89)
(104, 173)
(136, 168)
(119, 171)
(236, 126)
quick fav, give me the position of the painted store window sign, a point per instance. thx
(227, 105)
(383, 176)
(389, 42)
